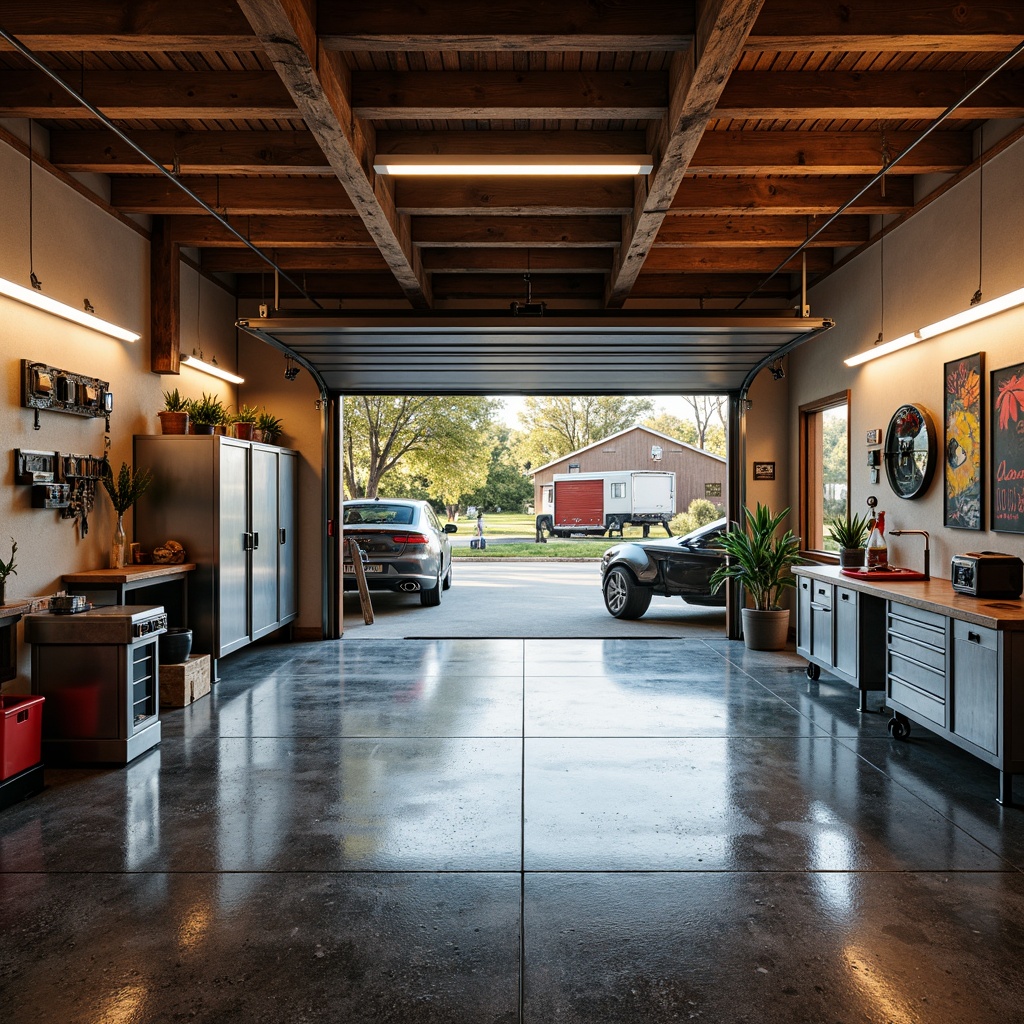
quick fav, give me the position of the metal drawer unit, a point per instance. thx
(99, 672)
(916, 669)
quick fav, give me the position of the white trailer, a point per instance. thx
(599, 503)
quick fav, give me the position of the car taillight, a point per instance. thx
(409, 538)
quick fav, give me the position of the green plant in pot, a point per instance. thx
(206, 413)
(174, 416)
(125, 489)
(8, 568)
(851, 536)
(244, 422)
(762, 562)
(269, 427)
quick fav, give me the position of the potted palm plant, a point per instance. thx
(206, 413)
(268, 427)
(125, 489)
(851, 536)
(244, 422)
(174, 415)
(762, 562)
(8, 568)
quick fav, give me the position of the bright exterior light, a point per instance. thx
(506, 164)
(213, 371)
(951, 323)
(33, 298)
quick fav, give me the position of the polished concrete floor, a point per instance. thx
(517, 830)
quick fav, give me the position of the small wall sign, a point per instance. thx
(874, 437)
(764, 470)
(713, 490)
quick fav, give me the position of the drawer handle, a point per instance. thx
(844, 597)
(974, 638)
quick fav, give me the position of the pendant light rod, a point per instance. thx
(888, 166)
(100, 116)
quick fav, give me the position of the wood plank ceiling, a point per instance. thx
(763, 117)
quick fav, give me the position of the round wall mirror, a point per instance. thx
(910, 451)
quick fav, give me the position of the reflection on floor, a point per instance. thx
(517, 830)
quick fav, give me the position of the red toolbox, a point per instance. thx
(21, 732)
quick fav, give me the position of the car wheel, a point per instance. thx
(447, 584)
(623, 596)
(430, 597)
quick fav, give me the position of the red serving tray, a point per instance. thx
(894, 574)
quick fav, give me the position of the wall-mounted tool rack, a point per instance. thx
(61, 480)
(48, 387)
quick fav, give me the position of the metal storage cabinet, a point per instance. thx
(232, 504)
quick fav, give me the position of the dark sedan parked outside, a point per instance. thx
(404, 546)
(633, 572)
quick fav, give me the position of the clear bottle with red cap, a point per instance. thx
(878, 551)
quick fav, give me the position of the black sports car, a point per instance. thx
(633, 572)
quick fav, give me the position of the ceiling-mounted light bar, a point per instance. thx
(509, 164)
(211, 368)
(969, 316)
(33, 298)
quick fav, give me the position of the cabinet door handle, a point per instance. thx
(974, 638)
(844, 597)
(247, 542)
(255, 541)
(282, 536)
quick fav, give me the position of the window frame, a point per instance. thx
(811, 491)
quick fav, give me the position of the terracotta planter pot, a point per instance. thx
(173, 422)
(765, 630)
(244, 431)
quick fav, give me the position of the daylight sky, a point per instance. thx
(663, 403)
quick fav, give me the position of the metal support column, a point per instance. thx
(735, 460)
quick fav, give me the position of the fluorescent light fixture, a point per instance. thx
(213, 370)
(33, 298)
(510, 164)
(969, 316)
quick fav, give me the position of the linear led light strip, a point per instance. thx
(951, 323)
(210, 368)
(33, 298)
(435, 164)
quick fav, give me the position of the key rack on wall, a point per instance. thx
(48, 387)
(61, 480)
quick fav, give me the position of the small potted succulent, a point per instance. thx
(174, 415)
(125, 489)
(8, 568)
(851, 536)
(206, 413)
(269, 427)
(244, 422)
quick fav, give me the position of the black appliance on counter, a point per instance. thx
(987, 574)
(99, 673)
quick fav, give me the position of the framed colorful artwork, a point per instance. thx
(962, 442)
(1007, 486)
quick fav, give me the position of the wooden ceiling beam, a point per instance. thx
(804, 197)
(716, 260)
(95, 26)
(202, 152)
(740, 232)
(534, 232)
(508, 197)
(878, 95)
(870, 26)
(325, 286)
(446, 25)
(270, 232)
(148, 95)
(344, 259)
(697, 77)
(320, 84)
(542, 261)
(387, 95)
(233, 196)
(819, 152)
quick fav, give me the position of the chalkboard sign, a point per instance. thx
(1008, 449)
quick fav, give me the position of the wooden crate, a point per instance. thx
(181, 684)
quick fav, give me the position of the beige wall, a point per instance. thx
(931, 271)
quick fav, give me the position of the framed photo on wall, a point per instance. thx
(1007, 486)
(963, 437)
(764, 470)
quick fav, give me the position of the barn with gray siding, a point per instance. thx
(699, 474)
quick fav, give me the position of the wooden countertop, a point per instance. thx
(128, 574)
(932, 595)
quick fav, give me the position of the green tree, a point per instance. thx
(442, 440)
(507, 487)
(556, 425)
(683, 430)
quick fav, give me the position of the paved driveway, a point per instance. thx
(525, 599)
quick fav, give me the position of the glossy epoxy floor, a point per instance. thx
(517, 830)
